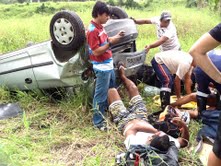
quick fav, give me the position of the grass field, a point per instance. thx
(61, 133)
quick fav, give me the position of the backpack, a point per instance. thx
(148, 156)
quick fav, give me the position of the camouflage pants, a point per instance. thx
(122, 115)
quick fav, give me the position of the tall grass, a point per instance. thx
(62, 133)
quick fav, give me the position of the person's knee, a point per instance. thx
(133, 88)
(113, 95)
(112, 91)
(193, 96)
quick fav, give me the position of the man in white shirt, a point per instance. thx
(166, 32)
(133, 123)
(165, 65)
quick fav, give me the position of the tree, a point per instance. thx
(21, 1)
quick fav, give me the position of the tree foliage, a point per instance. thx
(212, 4)
(30, 1)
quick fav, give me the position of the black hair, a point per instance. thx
(161, 143)
(99, 9)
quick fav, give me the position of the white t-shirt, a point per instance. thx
(178, 62)
(141, 139)
(173, 42)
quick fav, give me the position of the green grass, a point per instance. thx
(62, 133)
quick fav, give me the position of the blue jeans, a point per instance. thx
(203, 81)
(104, 81)
(163, 74)
(210, 121)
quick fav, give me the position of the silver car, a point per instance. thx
(63, 61)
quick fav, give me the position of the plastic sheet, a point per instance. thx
(151, 90)
(9, 110)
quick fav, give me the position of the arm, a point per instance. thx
(140, 125)
(186, 99)
(199, 50)
(94, 43)
(184, 138)
(213, 160)
(142, 21)
(112, 40)
(157, 43)
(188, 81)
(177, 86)
(100, 50)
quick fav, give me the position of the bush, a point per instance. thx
(21, 1)
(45, 9)
(131, 4)
(111, 2)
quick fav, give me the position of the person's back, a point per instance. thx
(178, 62)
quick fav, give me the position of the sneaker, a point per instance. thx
(102, 127)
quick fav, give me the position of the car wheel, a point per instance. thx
(117, 12)
(67, 30)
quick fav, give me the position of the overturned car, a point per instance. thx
(63, 61)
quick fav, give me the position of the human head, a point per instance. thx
(101, 12)
(161, 143)
(165, 18)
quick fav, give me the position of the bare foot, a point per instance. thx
(121, 69)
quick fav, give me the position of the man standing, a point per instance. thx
(101, 58)
(166, 32)
(166, 64)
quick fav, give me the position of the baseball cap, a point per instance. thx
(165, 16)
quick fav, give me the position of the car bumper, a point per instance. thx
(132, 61)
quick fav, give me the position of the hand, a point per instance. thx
(178, 122)
(117, 37)
(121, 33)
(147, 48)
(133, 19)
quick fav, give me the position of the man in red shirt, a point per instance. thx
(101, 58)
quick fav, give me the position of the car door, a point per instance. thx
(16, 70)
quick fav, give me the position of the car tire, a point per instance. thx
(67, 30)
(117, 12)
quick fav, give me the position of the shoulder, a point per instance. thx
(155, 20)
(92, 28)
(92, 31)
(171, 27)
